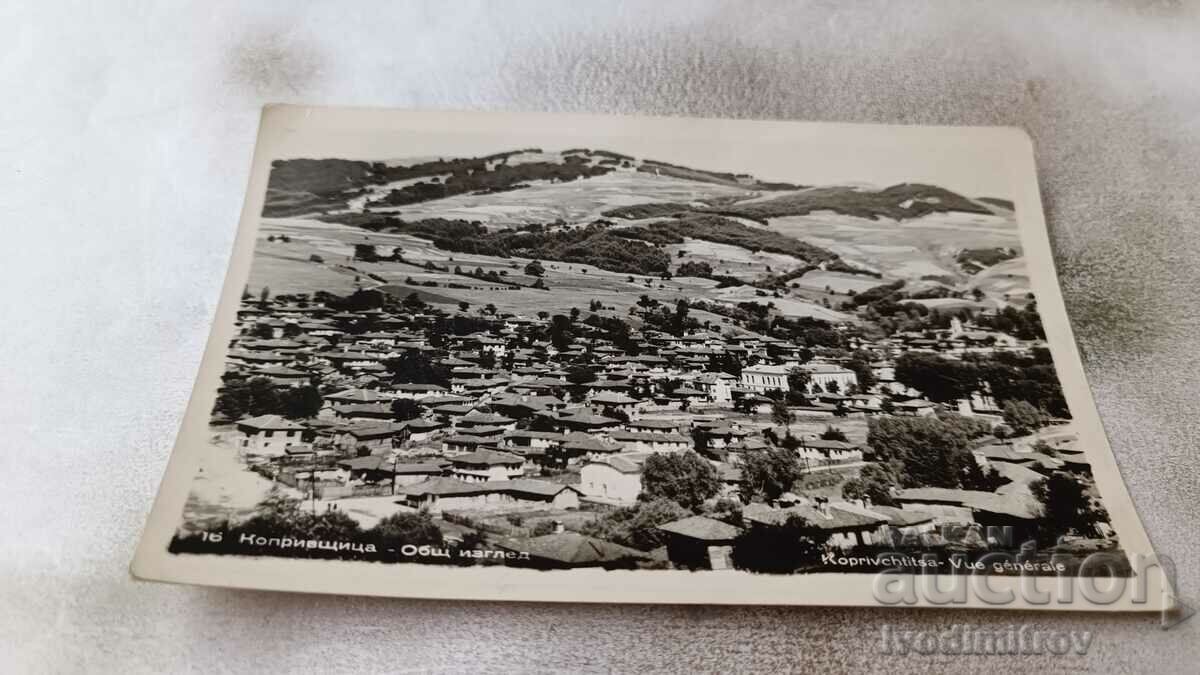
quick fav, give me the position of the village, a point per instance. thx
(586, 439)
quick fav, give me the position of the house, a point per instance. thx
(380, 469)
(914, 408)
(476, 418)
(700, 542)
(1017, 511)
(371, 436)
(417, 391)
(616, 401)
(615, 478)
(718, 387)
(642, 441)
(438, 494)
(281, 376)
(829, 377)
(355, 396)
(840, 528)
(585, 420)
(765, 377)
(654, 426)
(566, 550)
(819, 450)
(487, 465)
(364, 411)
(268, 434)
(903, 527)
(458, 444)
(421, 430)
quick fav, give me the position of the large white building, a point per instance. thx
(763, 378)
(825, 374)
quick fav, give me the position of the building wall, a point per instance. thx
(601, 480)
(496, 472)
(270, 442)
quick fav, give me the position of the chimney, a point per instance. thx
(558, 527)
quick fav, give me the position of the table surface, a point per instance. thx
(125, 141)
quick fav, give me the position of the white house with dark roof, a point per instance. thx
(269, 434)
(615, 478)
(487, 465)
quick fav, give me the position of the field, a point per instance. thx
(732, 260)
(1009, 278)
(789, 306)
(838, 282)
(579, 201)
(286, 268)
(906, 249)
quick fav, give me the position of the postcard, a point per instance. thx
(590, 358)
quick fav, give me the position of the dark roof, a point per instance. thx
(487, 457)
(376, 430)
(271, 422)
(702, 528)
(834, 520)
(572, 548)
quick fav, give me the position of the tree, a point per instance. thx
(580, 375)
(397, 253)
(679, 322)
(405, 409)
(923, 451)
(265, 295)
(413, 302)
(637, 526)
(781, 414)
(262, 331)
(490, 309)
(939, 379)
(693, 269)
(300, 402)
(769, 473)
(403, 528)
(464, 306)
(684, 478)
(560, 332)
(779, 549)
(798, 380)
(365, 253)
(1022, 417)
(240, 398)
(1066, 509)
(874, 482)
(833, 434)
(417, 368)
(535, 269)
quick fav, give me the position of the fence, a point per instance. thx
(350, 491)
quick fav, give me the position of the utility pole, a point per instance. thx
(395, 460)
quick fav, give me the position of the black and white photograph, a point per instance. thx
(552, 357)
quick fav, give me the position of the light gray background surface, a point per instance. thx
(125, 138)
